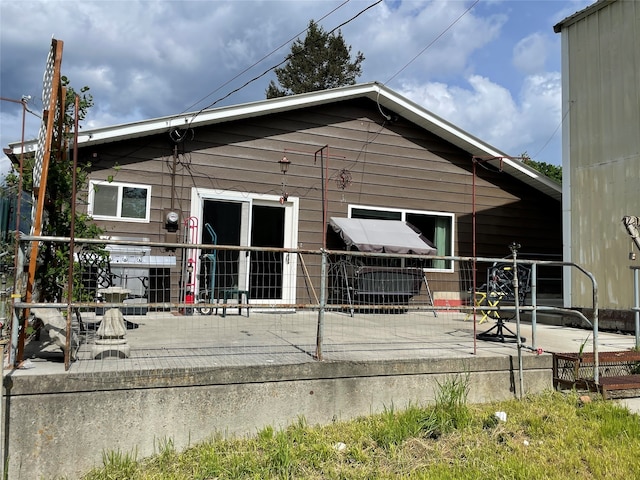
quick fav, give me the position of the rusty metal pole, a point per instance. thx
(323, 302)
(474, 160)
(324, 178)
(72, 233)
(15, 321)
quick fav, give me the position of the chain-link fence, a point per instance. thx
(144, 306)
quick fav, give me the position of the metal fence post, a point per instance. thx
(636, 302)
(516, 287)
(3, 301)
(534, 304)
(323, 302)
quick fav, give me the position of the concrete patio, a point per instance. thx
(166, 340)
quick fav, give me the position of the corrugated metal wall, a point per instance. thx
(603, 69)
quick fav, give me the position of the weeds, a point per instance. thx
(548, 436)
(451, 410)
(116, 465)
(394, 427)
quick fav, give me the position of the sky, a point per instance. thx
(490, 67)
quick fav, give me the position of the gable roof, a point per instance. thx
(387, 100)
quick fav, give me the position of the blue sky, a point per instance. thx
(491, 67)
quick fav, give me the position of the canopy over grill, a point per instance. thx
(382, 236)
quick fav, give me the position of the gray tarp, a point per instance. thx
(382, 236)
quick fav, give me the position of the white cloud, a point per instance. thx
(416, 39)
(530, 54)
(146, 59)
(490, 112)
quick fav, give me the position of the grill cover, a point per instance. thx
(382, 236)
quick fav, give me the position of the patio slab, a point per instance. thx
(165, 340)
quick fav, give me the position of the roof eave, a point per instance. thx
(471, 144)
(385, 97)
(579, 15)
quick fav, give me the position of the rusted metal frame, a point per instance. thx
(324, 177)
(50, 117)
(567, 367)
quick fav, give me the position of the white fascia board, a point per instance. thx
(373, 90)
(438, 125)
(195, 119)
(465, 140)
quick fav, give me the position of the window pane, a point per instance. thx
(438, 230)
(424, 223)
(134, 202)
(376, 214)
(105, 200)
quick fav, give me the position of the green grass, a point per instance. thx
(547, 436)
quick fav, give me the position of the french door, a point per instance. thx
(230, 218)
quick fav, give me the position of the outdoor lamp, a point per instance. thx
(284, 168)
(284, 165)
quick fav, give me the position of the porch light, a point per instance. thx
(284, 168)
(284, 165)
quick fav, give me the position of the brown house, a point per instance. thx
(361, 151)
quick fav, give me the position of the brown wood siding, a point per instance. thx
(394, 165)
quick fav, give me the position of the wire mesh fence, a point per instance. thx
(147, 307)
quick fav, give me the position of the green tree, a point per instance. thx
(319, 62)
(552, 171)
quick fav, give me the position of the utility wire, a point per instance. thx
(554, 132)
(276, 66)
(263, 58)
(433, 41)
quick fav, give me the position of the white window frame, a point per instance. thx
(93, 184)
(292, 207)
(403, 216)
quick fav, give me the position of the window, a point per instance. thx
(437, 227)
(119, 201)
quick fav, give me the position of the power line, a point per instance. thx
(277, 65)
(433, 41)
(263, 58)
(554, 132)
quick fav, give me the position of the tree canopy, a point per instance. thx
(552, 171)
(318, 62)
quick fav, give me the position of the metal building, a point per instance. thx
(601, 149)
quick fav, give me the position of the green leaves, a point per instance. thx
(318, 62)
(554, 172)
